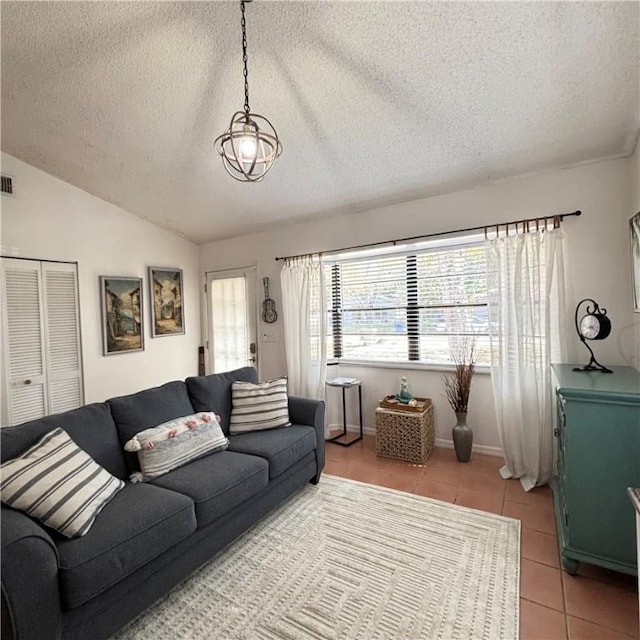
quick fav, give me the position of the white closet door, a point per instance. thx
(62, 336)
(41, 340)
(24, 355)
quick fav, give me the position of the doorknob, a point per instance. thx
(27, 381)
(252, 347)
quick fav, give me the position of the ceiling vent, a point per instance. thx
(6, 186)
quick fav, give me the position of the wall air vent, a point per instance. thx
(6, 186)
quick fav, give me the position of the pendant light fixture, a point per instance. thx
(250, 145)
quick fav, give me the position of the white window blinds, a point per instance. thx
(411, 306)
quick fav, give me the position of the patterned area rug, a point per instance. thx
(346, 560)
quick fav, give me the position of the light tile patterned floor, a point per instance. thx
(595, 605)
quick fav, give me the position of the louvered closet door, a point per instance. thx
(24, 357)
(41, 340)
(62, 336)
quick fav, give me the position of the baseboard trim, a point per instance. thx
(477, 448)
(368, 431)
(443, 444)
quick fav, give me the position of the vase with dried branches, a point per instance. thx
(457, 386)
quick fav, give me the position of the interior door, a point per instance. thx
(40, 339)
(232, 319)
(62, 336)
(23, 343)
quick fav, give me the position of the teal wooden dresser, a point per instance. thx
(598, 438)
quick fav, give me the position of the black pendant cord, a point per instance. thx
(245, 71)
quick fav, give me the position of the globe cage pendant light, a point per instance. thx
(250, 145)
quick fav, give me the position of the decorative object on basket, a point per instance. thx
(415, 405)
(457, 386)
(593, 325)
(269, 314)
(404, 396)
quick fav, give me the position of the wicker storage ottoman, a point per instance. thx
(405, 435)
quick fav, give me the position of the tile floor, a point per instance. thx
(595, 605)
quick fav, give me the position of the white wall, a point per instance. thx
(50, 219)
(597, 246)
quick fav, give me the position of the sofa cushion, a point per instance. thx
(58, 483)
(91, 427)
(148, 408)
(258, 406)
(217, 483)
(282, 448)
(139, 524)
(213, 392)
(175, 443)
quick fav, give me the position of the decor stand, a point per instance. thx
(344, 384)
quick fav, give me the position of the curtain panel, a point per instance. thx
(304, 315)
(526, 297)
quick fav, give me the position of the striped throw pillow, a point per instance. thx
(58, 483)
(172, 444)
(259, 406)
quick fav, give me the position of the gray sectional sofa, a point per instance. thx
(154, 534)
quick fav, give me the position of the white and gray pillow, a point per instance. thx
(58, 483)
(257, 406)
(174, 443)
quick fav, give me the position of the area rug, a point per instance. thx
(345, 560)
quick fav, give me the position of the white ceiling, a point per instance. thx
(375, 102)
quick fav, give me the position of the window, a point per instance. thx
(408, 307)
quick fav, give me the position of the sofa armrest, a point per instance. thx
(30, 595)
(311, 412)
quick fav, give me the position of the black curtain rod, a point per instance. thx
(485, 227)
(41, 260)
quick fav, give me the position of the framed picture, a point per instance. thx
(634, 229)
(166, 293)
(122, 326)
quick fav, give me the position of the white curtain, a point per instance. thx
(526, 292)
(303, 307)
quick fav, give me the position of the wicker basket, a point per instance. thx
(405, 435)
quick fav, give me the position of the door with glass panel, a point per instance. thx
(231, 318)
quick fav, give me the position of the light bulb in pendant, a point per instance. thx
(248, 147)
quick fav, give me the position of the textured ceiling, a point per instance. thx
(375, 102)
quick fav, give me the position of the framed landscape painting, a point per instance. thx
(122, 326)
(166, 292)
(634, 230)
